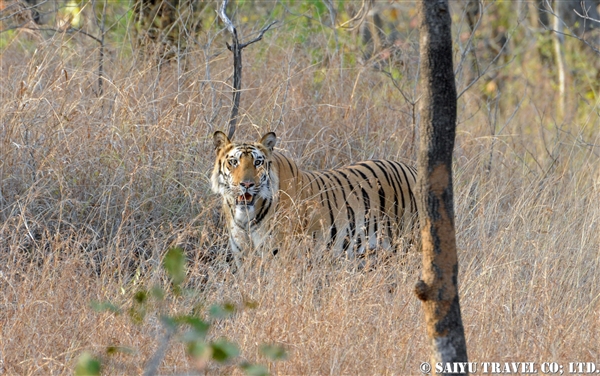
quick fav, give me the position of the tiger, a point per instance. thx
(351, 209)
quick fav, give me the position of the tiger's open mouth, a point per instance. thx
(245, 199)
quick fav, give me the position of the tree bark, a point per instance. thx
(438, 286)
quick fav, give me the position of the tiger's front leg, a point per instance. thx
(238, 243)
(245, 241)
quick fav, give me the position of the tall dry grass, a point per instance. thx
(94, 190)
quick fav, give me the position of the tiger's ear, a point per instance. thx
(220, 140)
(269, 140)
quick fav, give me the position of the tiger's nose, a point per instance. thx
(247, 184)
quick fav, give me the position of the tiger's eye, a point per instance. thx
(233, 162)
(258, 162)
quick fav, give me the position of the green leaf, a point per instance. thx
(223, 351)
(174, 264)
(197, 349)
(87, 365)
(169, 322)
(157, 293)
(273, 352)
(221, 311)
(141, 297)
(111, 350)
(137, 314)
(254, 369)
(105, 306)
(199, 328)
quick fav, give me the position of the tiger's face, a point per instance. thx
(242, 172)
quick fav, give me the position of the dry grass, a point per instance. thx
(94, 190)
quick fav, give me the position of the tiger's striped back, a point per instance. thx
(364, 205)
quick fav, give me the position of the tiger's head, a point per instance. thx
(242, 172)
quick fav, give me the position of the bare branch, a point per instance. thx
(225, 19)
(489, 65)
(260, 35)
(360, 17)
(570, 34)
(159, 354)
(237, 68)
(70, 30)
(585, 17)
(406, 98)
(236, 48)
(469, 45)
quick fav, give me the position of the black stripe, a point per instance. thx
(381, 194)
(392, 183)
(346, 243)
(326, 173)
(333, 231)
(349, 210)
(382, 205)
(412, 195)
(397, 173)
(408, 187)
(359, 173)
(333, 172)
(378, 163)
(261, 215)
(367, 201)
(365, 195)
(358, 242)
(288, 163)
(351, 217)
(365, 165)
(349, 182)
(351, 221)
(412, 170)
(310, 178)
(318, 187)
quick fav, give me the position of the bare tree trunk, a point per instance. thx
(557, 44)
(438, 286)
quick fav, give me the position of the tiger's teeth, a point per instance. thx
(245, 199)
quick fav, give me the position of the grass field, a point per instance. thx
(94, 189)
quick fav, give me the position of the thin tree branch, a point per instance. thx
(236, 48)
(360, 17)
(154, 362)
(101, 52)
(586, 17)
(237, 68)
(260, 35)
(469, 46)
(551, 11)
(70, 30)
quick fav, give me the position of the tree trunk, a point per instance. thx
(558, 40)
(438, 287)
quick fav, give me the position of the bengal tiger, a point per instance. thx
(349, 209)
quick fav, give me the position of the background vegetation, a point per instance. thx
(97, 183)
